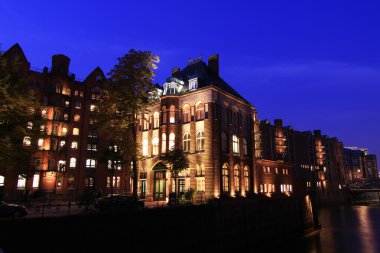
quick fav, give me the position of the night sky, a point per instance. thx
(316, 64)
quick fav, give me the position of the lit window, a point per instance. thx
(92, 147)
(76, 92)
(2, 180)
(200, 111)
(73, 162)
(186, 142)
(44, 113)
(246, 178)
(116, 165)
(30, 125)
(171, 141)
(156, 120)
(64, 131)
(76, 117)
(74, 145)
(75, 131)
(201, 184)
(225, 178)
(27, 141)
(90, 163)
(36, 181)
(42, 128)
(172, 115)
(40, 143)
(92, 108)
(145, 147)
(155, 143)
(186, 114)
(200, 140)
(235, 144)
(61, 165)
(193, 84)
(21, 182)
(237, 178)
(67, 103)
(200, 171)
(65, 116)
(163, 148)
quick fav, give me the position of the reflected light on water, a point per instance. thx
(366, 231)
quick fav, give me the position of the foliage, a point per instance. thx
(177, 161)
(189, 194)
(86, 199)
(19, 117)
(123, 97)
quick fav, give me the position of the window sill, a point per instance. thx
(200, 151)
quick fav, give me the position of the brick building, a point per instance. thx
(359, 164)
(231, 152)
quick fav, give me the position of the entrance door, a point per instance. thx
(143, 189)
(159, 185)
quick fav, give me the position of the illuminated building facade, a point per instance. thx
(359, 164)
(231, 152)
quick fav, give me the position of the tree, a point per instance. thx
(114, 157)
(177, 161)
(123, 98)
(20, 119)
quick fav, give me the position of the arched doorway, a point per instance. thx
(159, 188)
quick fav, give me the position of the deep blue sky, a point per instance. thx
(316, 64)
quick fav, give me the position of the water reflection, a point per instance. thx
(344, 230)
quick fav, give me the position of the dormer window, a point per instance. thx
(193, 84)
(172, 86)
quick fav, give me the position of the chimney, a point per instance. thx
(213, 63)
(278, 123)
(175, 71)
(60, 64)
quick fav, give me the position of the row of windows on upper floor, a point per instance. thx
(188, 114)
(200, 143)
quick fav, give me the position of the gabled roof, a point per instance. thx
(206, 77)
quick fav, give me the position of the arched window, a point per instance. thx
(155, 143)
(164, 115)
(163, 148)
(225, 178)
(156, 120)
(235, 144)
(224, 142)
(171, 141)
(200, 140)
(172, 114)
(200, 111)
(145, 147)
(27, 141)
(246, 178)
(186, 114)
(186, 142)
(237, 178)
(245, 147)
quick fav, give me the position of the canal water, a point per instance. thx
(349, 229)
